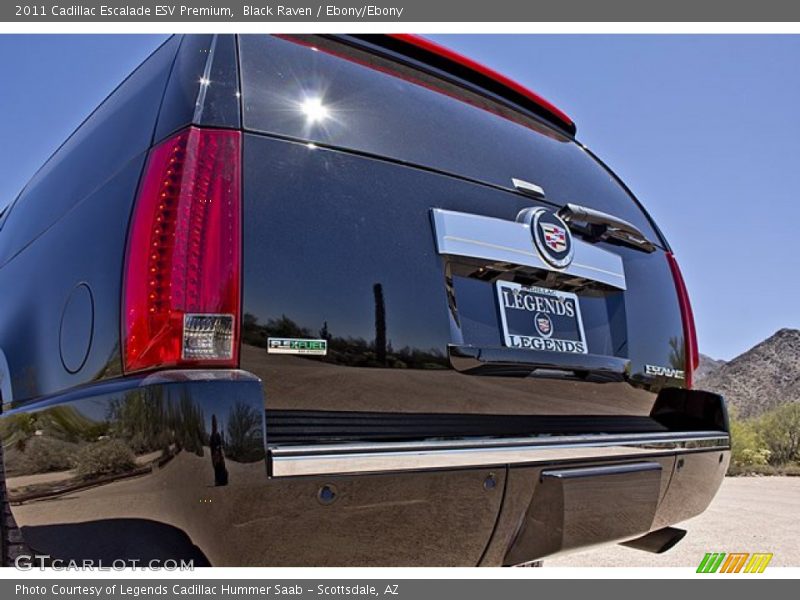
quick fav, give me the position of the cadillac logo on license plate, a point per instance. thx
(535, 318)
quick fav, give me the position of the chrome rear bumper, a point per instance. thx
(351, 459)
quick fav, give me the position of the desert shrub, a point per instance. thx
(792, 470)
(17, 428)
(780, 430)
(107, 457)
(747, 446)
(42, 454)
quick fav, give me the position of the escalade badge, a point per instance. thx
(659, 371)
(551, 235)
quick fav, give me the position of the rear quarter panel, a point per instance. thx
(68, 228)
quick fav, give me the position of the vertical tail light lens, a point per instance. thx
(689, 331)
(182, 276)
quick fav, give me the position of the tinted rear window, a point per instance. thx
(309, 90)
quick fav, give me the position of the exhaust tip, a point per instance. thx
(658, 541)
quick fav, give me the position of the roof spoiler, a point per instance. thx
(437, 56)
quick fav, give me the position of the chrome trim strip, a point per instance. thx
(343, 459)
(499, 240)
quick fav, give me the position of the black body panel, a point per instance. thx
(168, 500)
(204, 86)
(323, 229)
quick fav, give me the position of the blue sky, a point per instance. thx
(704, 129)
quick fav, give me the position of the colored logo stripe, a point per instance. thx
(711, 562)
(735, 562)
(758, 562)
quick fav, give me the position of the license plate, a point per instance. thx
(535, 318)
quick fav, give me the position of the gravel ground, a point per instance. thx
(749, 514)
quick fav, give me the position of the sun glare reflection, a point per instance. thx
(314, 109)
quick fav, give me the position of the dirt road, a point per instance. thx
(750, 514)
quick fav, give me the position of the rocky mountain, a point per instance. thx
(707, 366)
(762, 378)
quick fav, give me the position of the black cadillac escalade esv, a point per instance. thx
(341, 300)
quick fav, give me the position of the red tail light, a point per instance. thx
(182, 277)
(689, 332)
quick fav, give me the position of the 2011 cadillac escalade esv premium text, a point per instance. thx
(341, 300)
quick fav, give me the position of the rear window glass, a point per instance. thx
(305, 88)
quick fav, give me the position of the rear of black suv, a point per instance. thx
(351, 300)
